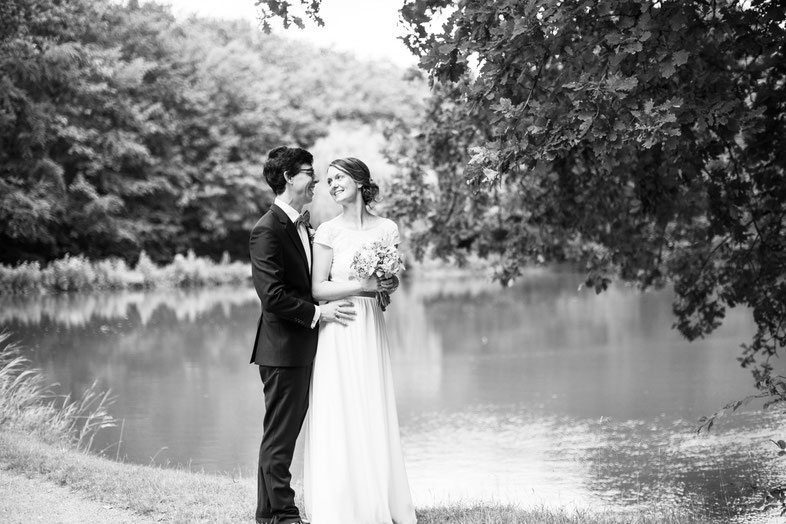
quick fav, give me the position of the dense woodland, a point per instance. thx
(123, 130)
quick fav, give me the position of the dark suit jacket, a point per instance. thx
(280, 271)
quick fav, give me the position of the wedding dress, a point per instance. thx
(354, 467)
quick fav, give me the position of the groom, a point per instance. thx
(286, 339)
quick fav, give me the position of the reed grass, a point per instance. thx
(77, 273)
(29, 404)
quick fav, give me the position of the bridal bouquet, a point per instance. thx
(380, 258)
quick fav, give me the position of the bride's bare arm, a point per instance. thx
(323, 289)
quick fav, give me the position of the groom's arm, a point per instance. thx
(267, 270)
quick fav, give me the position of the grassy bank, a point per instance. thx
(77, 273)
(168, 495)
(58, 454)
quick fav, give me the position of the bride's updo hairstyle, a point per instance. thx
(358, 171)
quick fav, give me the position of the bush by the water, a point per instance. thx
(77, 273)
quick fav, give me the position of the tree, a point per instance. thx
(122, 129)
(78, 170)
(640, 140)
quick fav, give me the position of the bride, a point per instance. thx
(354, 467)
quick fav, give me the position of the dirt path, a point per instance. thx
(26, 500)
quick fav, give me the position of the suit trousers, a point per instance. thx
(286, 403)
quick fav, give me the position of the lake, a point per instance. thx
(539, 394)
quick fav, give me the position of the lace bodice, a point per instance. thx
(346, 242)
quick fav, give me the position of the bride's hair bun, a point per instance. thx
(359, 172)
(369, 192)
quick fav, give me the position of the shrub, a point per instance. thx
(22, 278)
(148, 269)
(188, 271)
(113, 273)
(77, 273)
(70, 274)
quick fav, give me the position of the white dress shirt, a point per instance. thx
(293, 215)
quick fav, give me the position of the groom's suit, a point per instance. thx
(284, 349)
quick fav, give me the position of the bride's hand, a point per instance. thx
(370, 284)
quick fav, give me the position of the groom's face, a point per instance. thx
(303, 183)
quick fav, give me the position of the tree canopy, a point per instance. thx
(123, 129)
(639, 140)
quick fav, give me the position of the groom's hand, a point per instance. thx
(339, 311)
(389, 284)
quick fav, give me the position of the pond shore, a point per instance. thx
(26, 499)
(89, 488)
(45, 459)
(78, 273)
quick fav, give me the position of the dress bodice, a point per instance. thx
(345, 242)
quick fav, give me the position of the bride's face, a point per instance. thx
(342, 187)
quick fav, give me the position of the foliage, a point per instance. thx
(641, 140)
(274, 9)
(77, 273)
(123, 130)
(773, 498)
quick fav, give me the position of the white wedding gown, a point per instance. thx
(354, 467)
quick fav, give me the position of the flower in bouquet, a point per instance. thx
(380, 258)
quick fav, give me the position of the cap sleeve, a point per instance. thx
(324, 235)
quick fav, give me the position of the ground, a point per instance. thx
(26, 500)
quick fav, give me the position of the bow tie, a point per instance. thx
(304, 219)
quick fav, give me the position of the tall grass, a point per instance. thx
(28, 404)
(77, 273)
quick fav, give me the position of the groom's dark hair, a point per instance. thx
(283, 161)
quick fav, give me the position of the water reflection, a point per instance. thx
(537, 394)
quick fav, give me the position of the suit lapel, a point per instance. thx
(291, 230)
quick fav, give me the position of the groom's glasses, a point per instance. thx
(309, 172)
